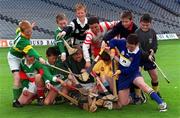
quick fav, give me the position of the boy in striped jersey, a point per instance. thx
(20, 47)
(94, 37)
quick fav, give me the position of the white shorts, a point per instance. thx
(32, 88)
(13, 61)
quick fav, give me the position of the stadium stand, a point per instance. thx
(164, 12)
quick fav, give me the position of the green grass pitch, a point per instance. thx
(168, 58)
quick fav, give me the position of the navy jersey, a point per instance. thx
(129, 61)
(120, 29)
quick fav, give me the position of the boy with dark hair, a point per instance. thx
(129, 73)
(103, 68)
(77, 63)
(124, 27)
(53, 77)
(94, 37)
(148, 44)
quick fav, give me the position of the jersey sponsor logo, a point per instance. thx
(124, 61)
(76, 31)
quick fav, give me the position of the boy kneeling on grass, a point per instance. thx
(129, 71)
(32, 71)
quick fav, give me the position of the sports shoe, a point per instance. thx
(16, 104)
(144, 98)
(162, 107)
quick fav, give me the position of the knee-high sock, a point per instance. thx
(40, 92)
(16, 93)
(155, 97)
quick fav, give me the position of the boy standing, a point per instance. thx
(62, 22)
(77, 26)
(148, 45)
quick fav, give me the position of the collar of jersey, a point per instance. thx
(135, 51)
(25, 62)
(59, 28)
(82, 25)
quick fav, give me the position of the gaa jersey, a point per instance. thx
(119, 29)
(103, 69)
(21, 46)
(28, 72)
(77, 29)
(77, 67)
(59, 42)
(128, 61)
(93, 41)
(50, 72)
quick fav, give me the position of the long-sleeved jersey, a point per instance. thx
(76, 68)
(120, 29)
(50, 73)
(59, 42)
(77, 29)
(93, 41)
(103, 69)
(148, 40)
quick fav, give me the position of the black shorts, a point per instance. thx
(147, 64)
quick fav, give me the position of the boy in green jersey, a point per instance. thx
(53, 77)
(30, 70)
(62, 22)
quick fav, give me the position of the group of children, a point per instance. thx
(93, 64)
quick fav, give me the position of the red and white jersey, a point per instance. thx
(104, 27)
(94, 40)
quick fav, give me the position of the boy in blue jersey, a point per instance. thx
(129, 74)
